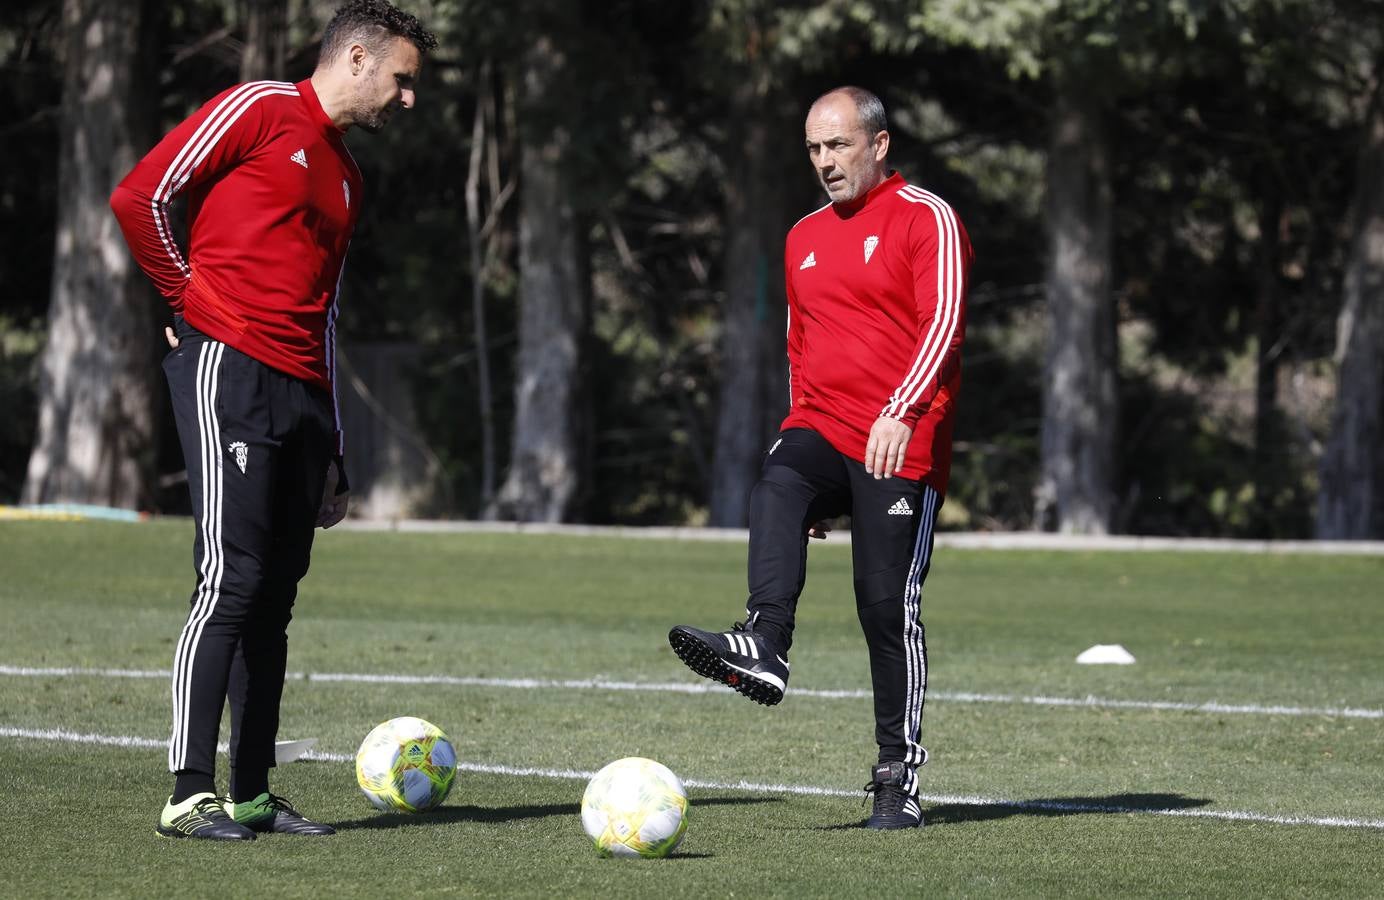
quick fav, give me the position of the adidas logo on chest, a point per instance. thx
(869, 246)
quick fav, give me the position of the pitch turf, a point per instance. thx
(1030, 797)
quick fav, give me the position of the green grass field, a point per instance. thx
(1131, 794)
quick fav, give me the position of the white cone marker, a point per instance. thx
(1105, 654)
(288, 751)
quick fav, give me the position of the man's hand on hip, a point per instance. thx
(884, 452)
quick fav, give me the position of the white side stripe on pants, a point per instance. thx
(211, 565)
(914, 648)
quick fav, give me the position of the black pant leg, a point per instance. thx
(892, 523)
(257, 677)
(803, 480)
(226, 430)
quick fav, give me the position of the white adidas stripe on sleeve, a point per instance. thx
(192, 153)
(949, 295)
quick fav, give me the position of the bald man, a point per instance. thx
(876, 284)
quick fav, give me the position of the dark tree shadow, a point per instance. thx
(447, 815)
(960, 813)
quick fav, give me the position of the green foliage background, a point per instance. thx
(1217, 110)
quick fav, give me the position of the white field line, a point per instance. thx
(1227, 815)
(705, 687)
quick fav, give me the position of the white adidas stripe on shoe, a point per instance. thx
(738, 659)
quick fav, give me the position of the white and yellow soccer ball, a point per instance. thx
(634, 807)
(406, 765)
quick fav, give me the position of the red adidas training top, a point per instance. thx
(876, 315)
(273, 196)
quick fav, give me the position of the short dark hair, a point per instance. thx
(373, 23)
(868, 107)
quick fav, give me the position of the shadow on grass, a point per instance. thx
(447, 815)
(699, 800)
(960, 813)
(953, 813)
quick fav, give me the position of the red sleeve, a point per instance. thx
(941, 268)
(795, 336)
(207, 143)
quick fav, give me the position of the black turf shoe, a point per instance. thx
(272, 813)
(738, 658)
(201, 816)
(896, 797)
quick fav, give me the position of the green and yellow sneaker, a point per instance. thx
(270, 812)
(201, 816)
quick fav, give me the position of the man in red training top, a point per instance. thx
(273, 196)
(876, 283)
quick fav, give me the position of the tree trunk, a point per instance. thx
(545, 458)
(754, 390)
(1079, 393)
(1349, 505)
(1269, 434)
(478, 277)
(95, 440)
(266, 30)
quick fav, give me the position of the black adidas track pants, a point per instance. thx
(804, 480)
(257, 444)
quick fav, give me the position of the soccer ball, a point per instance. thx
(634, 807)
(405, 765)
